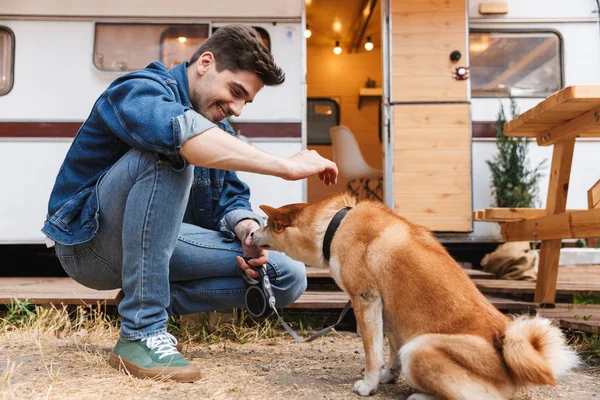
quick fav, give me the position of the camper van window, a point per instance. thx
(128, 47)
(7, 50)
(322, 114)
(520, 64)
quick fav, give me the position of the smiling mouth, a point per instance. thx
(221, 111)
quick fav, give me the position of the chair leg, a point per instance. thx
(354, 188)
(373, 194)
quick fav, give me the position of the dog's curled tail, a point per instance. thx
(536, 352)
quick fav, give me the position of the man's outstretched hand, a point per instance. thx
(258, 256)
(307, 163)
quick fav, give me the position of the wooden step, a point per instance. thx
(491, 286)
(329, 299)
(313, 272)
(52, 291)
(579, 317)
(66, 291)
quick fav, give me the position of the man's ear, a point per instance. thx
(204, 62)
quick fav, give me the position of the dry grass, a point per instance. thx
(61, 353)
(241, 328)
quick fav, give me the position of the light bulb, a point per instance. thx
(307, 32)
(337, 49)
(182, 39)
(369, 44)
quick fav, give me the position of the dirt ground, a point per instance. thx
(76, 367)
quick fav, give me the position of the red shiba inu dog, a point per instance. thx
(445, 337)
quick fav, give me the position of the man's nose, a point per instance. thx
(236, 107)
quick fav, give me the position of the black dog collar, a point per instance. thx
(331, 229)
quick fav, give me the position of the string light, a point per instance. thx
(337, 49)
(182, 39)
(369, 44)
(307, 32)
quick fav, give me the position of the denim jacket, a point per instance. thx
(149, 110)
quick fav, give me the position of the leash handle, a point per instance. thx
(263, 280)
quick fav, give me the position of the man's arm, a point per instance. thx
(215, 148)
(143, 112)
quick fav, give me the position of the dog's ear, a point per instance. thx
(279, 218)
(270, 211)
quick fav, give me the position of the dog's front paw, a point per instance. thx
(421, 396)
(363, 388)
(387, 376)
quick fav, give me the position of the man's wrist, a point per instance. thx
(282, 168)
(242, 226)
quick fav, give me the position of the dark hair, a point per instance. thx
(238, 47)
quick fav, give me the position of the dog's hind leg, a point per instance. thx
(455, 367)
(368, 312)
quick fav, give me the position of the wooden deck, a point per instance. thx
(67, 291)
(52, 291)
(572, 280)
(579, 317)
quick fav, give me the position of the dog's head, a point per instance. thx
(289, 230)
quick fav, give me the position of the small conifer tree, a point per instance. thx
(514, 182)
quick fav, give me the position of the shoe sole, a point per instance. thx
(190, 373)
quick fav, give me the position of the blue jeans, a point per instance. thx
(163, 265)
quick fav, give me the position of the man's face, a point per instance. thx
(217, 95)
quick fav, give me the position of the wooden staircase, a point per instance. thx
(508, 296)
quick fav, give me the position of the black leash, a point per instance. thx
(259, 295)
(260, 300)
(317, 334)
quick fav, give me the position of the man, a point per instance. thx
(128, 181)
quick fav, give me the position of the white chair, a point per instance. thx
(352, 165)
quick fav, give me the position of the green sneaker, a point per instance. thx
(155, 357)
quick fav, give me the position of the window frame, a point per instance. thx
(12, 65)
(167, 33)
(561, 59)
(171, 24)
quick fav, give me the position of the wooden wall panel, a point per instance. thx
(432, 139)
(432, 165)
(424, 33)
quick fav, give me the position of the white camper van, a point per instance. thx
(57, 57)
(413, 117)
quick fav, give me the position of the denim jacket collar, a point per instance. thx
(180, 74)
